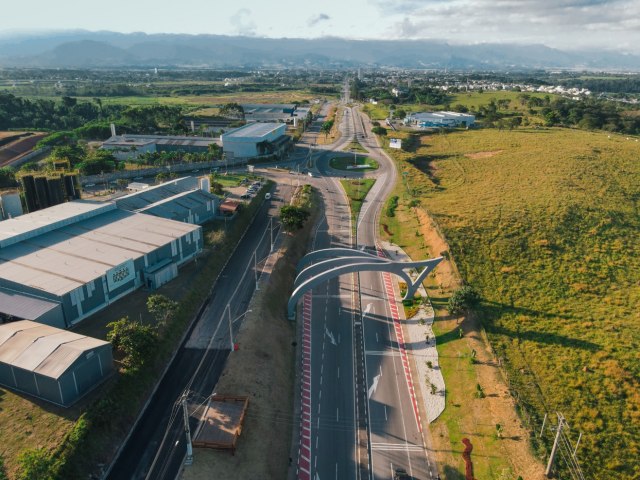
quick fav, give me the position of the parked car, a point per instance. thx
(244, 196)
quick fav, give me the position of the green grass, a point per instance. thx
(355, 146)
(342, 163)
(356, 190)
(470, 100)
(545, 225)
(232, 180)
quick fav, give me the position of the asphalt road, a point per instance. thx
(363, 420)
(156, 447)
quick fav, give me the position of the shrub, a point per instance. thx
(392, 204)
(35, 464)
(379, 130)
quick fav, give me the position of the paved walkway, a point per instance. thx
(421, 346)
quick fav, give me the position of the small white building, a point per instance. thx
(256, 139)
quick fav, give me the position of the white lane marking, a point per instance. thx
(382, 352)
(338, 372)
(374, 386)
(330, 335)
(337, 411)
(367, 309)
(385, 413)
(377, 339)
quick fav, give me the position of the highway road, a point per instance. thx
(156, 447)
(363, 420)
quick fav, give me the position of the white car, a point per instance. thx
(267, 196)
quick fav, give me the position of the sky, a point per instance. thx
(564, 24)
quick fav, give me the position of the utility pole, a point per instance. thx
(255, 267)
(554, 449)
(230, 325)
(271, 231)
(187, 431)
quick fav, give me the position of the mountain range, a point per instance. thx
(83, 49)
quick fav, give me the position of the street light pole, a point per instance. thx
(271, 231)
(228, 308)
(230, 326)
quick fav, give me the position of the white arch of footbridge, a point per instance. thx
(333, 262)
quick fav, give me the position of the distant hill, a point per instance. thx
(82, 49)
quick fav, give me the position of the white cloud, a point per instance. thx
(242, 22)
(316, 19)
(556, 23)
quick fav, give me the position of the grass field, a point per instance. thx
(205, 101)
(544, 223)
(342, 163)
(470, 100)
(356, 191)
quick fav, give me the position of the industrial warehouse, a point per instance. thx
(440, 119)
(124, 147)
(178, 199)
(52, 364)
(64, 263)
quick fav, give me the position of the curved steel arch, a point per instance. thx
(396, 268)
(316, 268)
(332, 252)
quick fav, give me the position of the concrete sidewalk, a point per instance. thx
(421, 344)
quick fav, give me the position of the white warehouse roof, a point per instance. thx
(252, 131)
(42, 349)
(24, 227)
(67, 258)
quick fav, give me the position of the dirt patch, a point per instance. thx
(478, 155)
(477, 416)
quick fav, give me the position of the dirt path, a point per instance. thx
(476, 417)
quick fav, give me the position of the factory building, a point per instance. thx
(440, 119)
(288, 113)
(179, 200)
(255, 140)
(124, 147)
(64, 263)
(52, 364)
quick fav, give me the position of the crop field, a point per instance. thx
(544, 223)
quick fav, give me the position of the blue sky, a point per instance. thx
(610, 24)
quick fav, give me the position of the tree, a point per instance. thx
(462, 300)
(7, 177)
(293, 217)
(137, 342)
(233, 110)
(326, 127)
(379, 130)
(161, 307)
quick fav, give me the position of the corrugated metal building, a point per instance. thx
(85, 255)
(130, 146)
(179, 200)
(52, 364)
